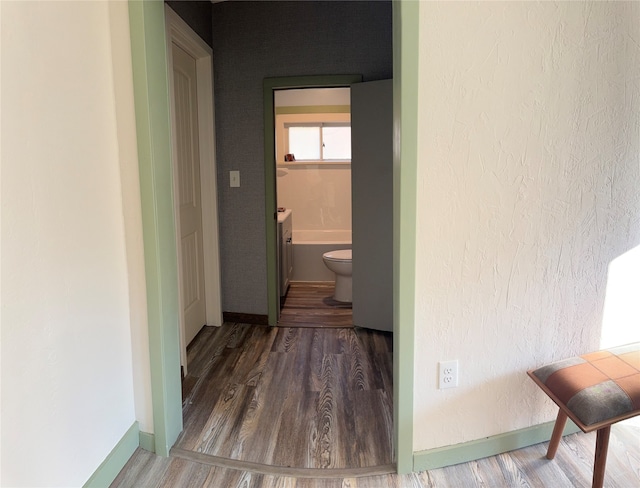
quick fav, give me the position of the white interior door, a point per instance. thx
(188, 195)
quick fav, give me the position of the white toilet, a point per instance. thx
(340, 263)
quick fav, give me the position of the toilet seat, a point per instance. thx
(341, 255)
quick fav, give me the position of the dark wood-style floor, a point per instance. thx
(291, 397)
(311, 408)
(311, 304)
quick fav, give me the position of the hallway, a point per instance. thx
(312, 398)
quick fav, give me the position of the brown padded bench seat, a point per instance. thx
(594, 390)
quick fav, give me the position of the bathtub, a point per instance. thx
(308, 248)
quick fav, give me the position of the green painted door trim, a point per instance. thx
(405, 165)
(269, 85)
(153, 128)
(490, 446)
(115, 461)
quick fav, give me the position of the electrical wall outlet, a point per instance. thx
(448, 374)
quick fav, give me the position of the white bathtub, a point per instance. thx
(308, 248)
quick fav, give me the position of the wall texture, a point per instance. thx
(528, 189)
(67, 383)
(252, 41)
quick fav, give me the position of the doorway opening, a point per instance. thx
(271, 86)
(349, 198)
(313, 187)
(147, 23)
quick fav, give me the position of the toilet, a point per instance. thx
(340, 263)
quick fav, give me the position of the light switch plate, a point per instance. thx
(234, 179)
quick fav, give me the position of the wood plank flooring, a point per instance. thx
(312, 408)
(311, 304)
(293, 397)
(522, 468)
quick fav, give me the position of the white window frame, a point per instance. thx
(319, 126)
(284, 121)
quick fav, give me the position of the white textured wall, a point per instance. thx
(527, 190)
(67, 383)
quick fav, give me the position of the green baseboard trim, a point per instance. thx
(147, 441)
(490, 446)
(115, 461)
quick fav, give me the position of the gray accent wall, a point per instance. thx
(253, 41)
(197, 15)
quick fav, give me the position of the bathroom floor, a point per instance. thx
(311, 304)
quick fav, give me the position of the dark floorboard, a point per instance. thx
(311, 304)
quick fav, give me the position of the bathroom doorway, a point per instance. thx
(313, 192)
(271, 85)
(349, 201)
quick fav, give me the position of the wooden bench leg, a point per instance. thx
(558, 428)
(602, 445)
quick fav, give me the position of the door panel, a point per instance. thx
(188, 197)
(372, 203)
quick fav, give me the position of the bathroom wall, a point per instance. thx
(528, 177)
(318, 194)
(254, 40)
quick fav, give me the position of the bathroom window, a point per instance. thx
(313, 138)
(319, 142)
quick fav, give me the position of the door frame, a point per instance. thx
(270, 85)
(153, 132)
(179, 33)
(406, 65)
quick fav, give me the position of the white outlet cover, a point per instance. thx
(448, 374)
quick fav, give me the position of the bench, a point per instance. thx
(594, 390)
